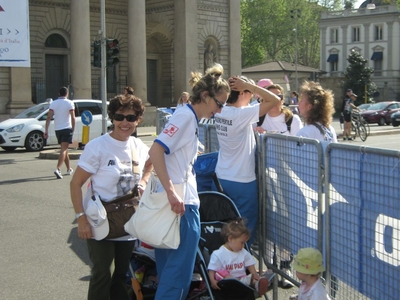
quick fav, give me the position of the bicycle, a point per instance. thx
(359, 127)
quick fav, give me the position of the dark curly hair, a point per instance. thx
(124, 103)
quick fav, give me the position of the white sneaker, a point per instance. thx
(58, 174)
(70, 171)
(285, 282)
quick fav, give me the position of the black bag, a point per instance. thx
(119, 211)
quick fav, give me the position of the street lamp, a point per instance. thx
(295, 14)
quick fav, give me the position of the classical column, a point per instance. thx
(390, 45)
(20, 90)
(80, 49)
(323, 63)
(366, 42)
(235, 56)
(137, 72)
(186, 57)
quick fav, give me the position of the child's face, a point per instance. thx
(303, 277)
(237, 244)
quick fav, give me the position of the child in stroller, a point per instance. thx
(231, 260)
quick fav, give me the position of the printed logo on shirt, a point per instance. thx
(111, 162)
(171, 129)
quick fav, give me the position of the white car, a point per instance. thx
(27, 128)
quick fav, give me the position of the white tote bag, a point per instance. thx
(154, 222)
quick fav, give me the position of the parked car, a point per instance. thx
(27, 128)
(364, 106)
(380, 112)
(395, 118)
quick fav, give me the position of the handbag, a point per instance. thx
(121, 209)
(154, 223)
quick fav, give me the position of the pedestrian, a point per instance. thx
(280, 119)
(236, 158)
(63, 111)
(173, 154)
(183, 100)
(347, 109)
(316, 106)
(107, 161)
(294, 100)
(308, 265)
(232, 260)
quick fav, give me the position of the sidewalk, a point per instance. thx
(75, 153)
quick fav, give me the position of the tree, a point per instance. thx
(358, 76)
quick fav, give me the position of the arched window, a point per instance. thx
(55, 41)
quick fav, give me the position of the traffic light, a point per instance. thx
(96, 53)
(112, 51)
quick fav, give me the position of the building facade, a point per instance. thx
(375, 34)
(160, 43)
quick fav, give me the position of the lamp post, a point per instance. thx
(295, 14)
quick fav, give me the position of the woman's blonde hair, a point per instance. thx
(322, 102)
(284, 110)
(211, 81)
(180, 101)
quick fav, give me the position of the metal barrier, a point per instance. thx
(162, 115)
(356, 225)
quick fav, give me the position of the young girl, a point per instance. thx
(308, 266)
(231, 260)
(183, 100)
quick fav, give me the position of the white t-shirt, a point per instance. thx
(316, 292)
(236, 158)
(311, 131)
(179, 139)
(61, 108)
(278, 125)
(110, 162)
(234, 262)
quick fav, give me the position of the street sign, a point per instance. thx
(86, 117)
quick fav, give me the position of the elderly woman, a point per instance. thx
(316, 106)
(107, 161)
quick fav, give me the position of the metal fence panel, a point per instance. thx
(364, 221)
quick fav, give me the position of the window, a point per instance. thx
(378, 32)
(334, 35)
(334, 66)
(355, 34)
(55, 41)
(377, 68)
(93, 107)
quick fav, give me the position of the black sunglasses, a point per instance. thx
(280, 96)
(129, 118)
(219, 104)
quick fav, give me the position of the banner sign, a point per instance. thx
(14, 33)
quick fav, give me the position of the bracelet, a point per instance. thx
(78, 215)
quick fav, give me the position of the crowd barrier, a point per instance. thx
(341, 199)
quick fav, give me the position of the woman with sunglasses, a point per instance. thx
(280, 119)
(173, 154)
(107, 161)
(236, 159)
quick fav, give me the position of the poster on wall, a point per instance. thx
(14, 33)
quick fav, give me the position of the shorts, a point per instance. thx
(64, 135)
(347, 117)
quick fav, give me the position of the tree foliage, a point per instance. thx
(358, 76)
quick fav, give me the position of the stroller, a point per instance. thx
(215, 210)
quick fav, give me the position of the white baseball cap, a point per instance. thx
(96, 215)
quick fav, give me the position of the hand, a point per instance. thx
(214, 284)
(177, 205)
(84, 230)
(259, 129)
(45, 135)
(237, 84)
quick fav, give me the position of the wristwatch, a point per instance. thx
(78, 215)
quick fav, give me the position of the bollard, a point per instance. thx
(85, 134)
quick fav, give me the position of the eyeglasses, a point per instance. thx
(129, 118)
(219, 104)
(280, 96)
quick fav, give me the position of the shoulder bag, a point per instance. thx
(154, 222)
(121, 209)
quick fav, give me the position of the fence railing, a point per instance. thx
(342, 199)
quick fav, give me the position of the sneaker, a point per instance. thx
(262, 286)
(285, 282)
(70, 171)
(58, 174)
(350, 138)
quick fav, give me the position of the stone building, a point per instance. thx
(160, 43)
(372, 31)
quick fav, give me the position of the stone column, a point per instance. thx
(235, 55)
(186, 57)
(365, 54)
(80, 49)
(323, 63)
(137, 58)
(20, 88)
(390, 46)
